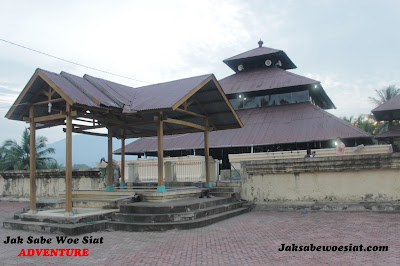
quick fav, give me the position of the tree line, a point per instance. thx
(368, 123)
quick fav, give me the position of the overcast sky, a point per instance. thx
(352, 47)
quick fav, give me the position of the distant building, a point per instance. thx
(280, 110)
(389, 111)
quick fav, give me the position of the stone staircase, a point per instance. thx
(226, 189)
(182, 214)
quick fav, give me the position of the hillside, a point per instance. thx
(86, 149)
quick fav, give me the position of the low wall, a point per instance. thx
(49, 183)
(341, 179)
(235, 159)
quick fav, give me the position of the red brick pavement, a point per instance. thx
(250, 239)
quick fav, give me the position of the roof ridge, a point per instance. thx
(92, 80)
(205, 75)
(230, 58)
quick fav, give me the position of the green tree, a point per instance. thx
(16, 157)
(385, 95)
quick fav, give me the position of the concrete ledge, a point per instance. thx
(332, 163)
(329, 206)
(169, 195)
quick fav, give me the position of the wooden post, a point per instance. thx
(110, 162)
(207, 158)
(68, 162)
(160, 154)
(32, 160)
(123, 184)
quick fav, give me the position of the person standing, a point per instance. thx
(340, 147)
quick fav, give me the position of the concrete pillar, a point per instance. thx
(133, 172)
(170, 172)
(214, 170)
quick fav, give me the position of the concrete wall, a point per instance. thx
(49, 183)
(235, 159)
(340, 179)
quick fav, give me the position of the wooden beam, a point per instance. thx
(110, 160)
(193, 91)
(49, 101)
(227, 101)
(61, 115)
(190, 113)
(87, 133)
(184, 123)
(160, 153)
(55, 87)
(32, 160)
(123, 156)
(205, 112)
(68, 162)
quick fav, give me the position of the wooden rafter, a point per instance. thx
(184, 123)
(193, 91)
(190, 113)
(205, 112)
(49, 101)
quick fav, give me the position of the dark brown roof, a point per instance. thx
(393, 131)
(94, 94)
(259, 55)
(302, 122)
(263, 79)
(388, 134)
(255, 52)
(389, 110)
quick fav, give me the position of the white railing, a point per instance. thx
(176, 169)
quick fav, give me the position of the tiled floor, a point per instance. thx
(250, 239)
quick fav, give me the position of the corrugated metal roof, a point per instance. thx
(165, 95)
(391, 105)
(253, 53)
(70, 89)
(389, 110)
(263, 79)
(94, 92)
(389, 134)
(301, 122)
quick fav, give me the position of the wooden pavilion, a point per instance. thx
(85, 105)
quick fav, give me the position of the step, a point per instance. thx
(140, 227)
(221, 194)
(174, 217)
(229, 184)
(172, 206)
(65, 229)
(223, 189)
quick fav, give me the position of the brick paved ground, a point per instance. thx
(249, 239)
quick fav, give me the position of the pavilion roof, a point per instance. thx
(389, 110)
(113, 105)
(291, 123)
(259, 54)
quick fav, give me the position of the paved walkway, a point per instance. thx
(249, 239)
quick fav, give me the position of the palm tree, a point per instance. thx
(349, 120)
(385, 95)
(16, 157)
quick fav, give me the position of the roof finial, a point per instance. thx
(260, 43)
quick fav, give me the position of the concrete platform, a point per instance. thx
(184, 213)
